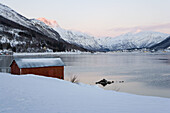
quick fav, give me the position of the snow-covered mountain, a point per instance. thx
(144, 39)
(79, 38)
(29, 35)
(10, 14)
(74, 37)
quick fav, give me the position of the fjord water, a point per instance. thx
(141, 73)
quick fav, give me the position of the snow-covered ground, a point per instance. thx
(37, 94)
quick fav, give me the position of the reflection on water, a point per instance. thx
(145, 74)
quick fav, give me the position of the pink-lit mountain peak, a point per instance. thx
(51, 23)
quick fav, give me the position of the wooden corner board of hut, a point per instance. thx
(50, 67)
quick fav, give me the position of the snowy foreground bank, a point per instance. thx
(36, 94)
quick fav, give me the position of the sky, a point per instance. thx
(99, 17)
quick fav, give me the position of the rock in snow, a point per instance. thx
(37, 94)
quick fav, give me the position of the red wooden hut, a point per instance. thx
(50, 67)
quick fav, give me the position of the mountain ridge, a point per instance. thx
(139, 40)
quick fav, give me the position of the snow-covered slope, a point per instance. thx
(79, 38)
(13, 16)
(133, 40)
(10, 14)
(37, 94)
(74, 37)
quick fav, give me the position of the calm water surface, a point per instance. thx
(142, 73)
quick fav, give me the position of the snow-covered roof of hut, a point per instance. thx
(38, 62)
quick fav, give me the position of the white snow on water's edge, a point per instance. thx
(37, 94)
